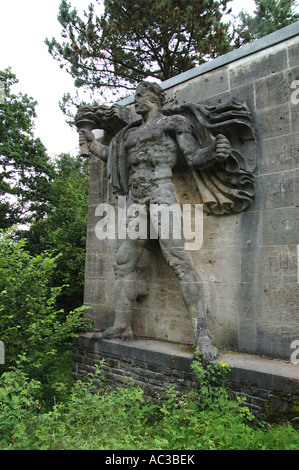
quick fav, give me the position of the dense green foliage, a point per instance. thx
(51, 198)
(269, 16)
(206, 419)
(31, 326)
(26, 170)
(41, 267)
(63, 231)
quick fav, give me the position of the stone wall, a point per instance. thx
(249, 261)
(270, 387)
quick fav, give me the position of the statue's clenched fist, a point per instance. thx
(222, 148)
(86, 137)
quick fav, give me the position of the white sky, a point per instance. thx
(24, 26)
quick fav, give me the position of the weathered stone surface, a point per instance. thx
(277, 189)
(281, 226)
(249, 261)
(256, 67)
(274, 121)
(202, 88)
(278, 153)
(272, 90)
(293, 54)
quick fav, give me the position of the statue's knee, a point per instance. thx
(122, 268)
(118, 268)
(177, 266)
(182, 268)
(127, 257)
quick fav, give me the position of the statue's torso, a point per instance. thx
(152, 152)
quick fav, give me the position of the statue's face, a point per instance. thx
(143, 101)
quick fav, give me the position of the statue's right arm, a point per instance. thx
(197, 157)
(94, 146)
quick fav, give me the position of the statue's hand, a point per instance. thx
(86, 137)
(222, 148)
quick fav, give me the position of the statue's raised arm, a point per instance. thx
(89, 118)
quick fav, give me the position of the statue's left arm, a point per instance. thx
(196, 156)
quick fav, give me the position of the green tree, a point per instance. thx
(269, 16)
(26, 170)
(133, 40)
(63, 231)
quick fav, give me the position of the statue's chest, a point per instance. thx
(144, 137)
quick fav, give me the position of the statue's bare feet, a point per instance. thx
(206, 347)
(114, 333)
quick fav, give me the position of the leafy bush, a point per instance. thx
(124, 419)
(19, 401)
(30, 324)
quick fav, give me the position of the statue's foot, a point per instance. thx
(114, 333)
(206, 347)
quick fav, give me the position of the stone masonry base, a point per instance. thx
(271, 387)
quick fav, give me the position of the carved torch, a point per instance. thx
(108, 118)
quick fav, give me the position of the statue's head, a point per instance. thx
(150, 91)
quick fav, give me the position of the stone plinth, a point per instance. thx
(271, 387)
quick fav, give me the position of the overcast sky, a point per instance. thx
(24, 26)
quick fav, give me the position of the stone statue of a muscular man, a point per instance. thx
(152, 151)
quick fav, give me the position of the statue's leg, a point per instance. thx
(127, 255)
(192, 291)
(126, 259)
